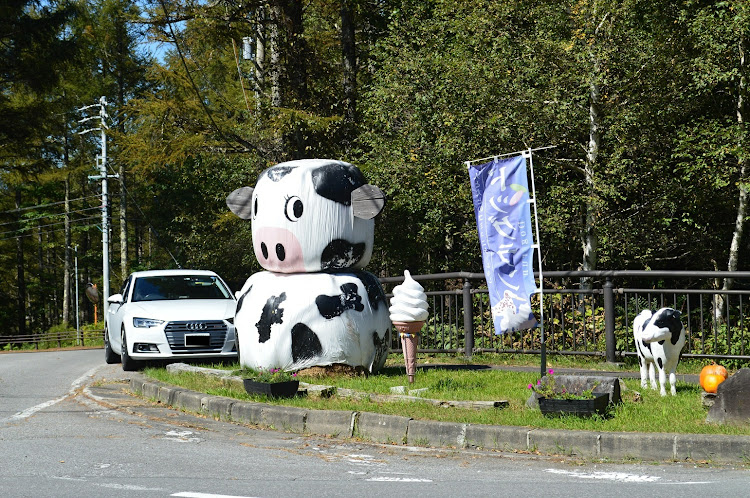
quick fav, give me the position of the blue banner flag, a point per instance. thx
(501, 205)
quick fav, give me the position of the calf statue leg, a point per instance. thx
(652, 375)
(644, 371)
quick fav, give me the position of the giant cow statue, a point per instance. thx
(312, 229)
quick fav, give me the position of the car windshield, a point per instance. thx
(164, 288)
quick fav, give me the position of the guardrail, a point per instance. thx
(593, 320)
(52, 339)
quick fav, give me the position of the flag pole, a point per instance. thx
(537, 246)
(517, 153)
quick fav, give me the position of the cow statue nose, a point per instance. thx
(280, 250)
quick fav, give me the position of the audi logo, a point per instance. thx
(195, 326)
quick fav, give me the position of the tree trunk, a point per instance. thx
(260, 56)
(123, 223)
(349, 58)
(20, 277)
(121, 57)
(274, 70)
(38, 314)
(66, 259)
(739, 222)
(296, 51)
(590, 234)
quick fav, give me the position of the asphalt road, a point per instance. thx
(67, 428)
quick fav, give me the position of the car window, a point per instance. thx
(162, 288)
(124, 289)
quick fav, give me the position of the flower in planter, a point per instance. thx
(271, 375)
(547, 388)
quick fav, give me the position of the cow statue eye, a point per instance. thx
(255, 207)
(293, 208)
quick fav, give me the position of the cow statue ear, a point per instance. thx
(367, 201)
(240, 202)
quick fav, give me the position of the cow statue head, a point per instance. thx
(310, 215)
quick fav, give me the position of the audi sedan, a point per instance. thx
(170, 314)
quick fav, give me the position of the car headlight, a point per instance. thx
(145, 323)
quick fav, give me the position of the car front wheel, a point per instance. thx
(109, 355)
(128, 363)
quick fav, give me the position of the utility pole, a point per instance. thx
(101, 162)
(78, 325)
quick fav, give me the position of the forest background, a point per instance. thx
(644, 101)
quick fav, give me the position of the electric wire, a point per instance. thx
(36, 227)
(53, 215)
(146, 219)
(197, 91)
(47, 232)
(39, 206)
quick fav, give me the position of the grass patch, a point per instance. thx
(683, 413)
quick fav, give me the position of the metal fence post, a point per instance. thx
(468, 319)
(609, 319)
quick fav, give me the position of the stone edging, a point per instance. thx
(393, 429)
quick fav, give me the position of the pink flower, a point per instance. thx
(550, 371)
(531, 387)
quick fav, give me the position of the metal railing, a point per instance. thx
(52, 339)
(593, 319)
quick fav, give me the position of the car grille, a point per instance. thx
(196, 330)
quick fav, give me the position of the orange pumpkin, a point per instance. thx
(711, 382)
(712, 369)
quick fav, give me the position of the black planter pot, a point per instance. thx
(581, 407)
(285, 389)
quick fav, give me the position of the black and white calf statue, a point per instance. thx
(312, 229)
(659, 338)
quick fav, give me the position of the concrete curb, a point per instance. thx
(393, 429)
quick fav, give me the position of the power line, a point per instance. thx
(46, 232)
(37, 227)
(53, 215)
(148, 222)
(39, 206)
(197, 91)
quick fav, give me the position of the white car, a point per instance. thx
(170, 314)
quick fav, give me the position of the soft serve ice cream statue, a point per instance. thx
(408, 314)
(408, 305)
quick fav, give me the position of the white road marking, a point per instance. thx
(68, 478)
(41, 406)
(609, 476)
(188, 494)
(181, 437)
(397, 479)
(126, 487)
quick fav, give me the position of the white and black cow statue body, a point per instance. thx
(659, 338)
(312, 229)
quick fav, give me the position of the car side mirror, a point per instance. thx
(115, 299)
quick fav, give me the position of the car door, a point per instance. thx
(115, 314)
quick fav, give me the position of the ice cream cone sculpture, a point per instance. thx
(408, 314)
